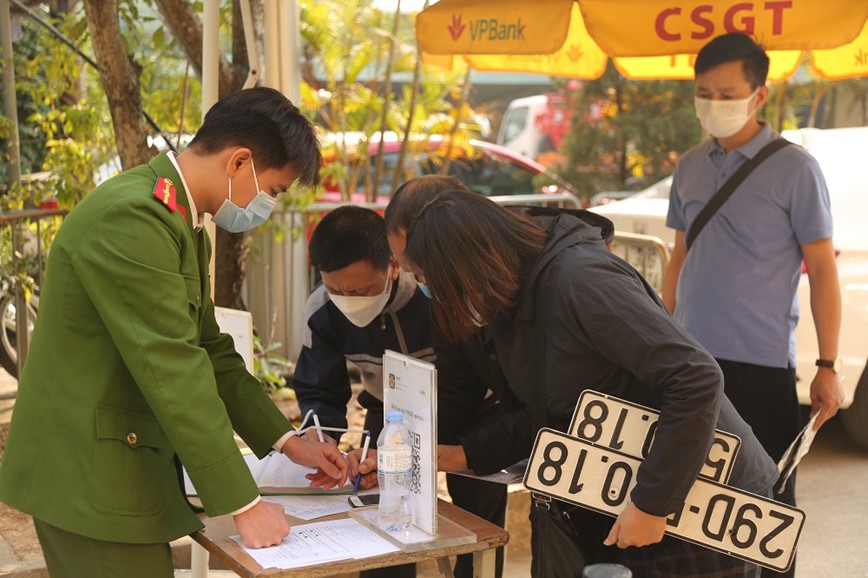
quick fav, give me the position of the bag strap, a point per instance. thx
(729, 187)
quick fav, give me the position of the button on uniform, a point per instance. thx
(132, 438)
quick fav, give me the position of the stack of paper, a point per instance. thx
(321, 542)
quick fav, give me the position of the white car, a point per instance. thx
(841, 154)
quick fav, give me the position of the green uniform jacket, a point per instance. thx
(128, 373)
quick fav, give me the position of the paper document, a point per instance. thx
(276, 474)
(796, 452)
(321, 542)
(309, 507)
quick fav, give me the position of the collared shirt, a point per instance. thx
(737, 289)
(195, 216)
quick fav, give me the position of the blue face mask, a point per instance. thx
(424, 289)
(230, 217)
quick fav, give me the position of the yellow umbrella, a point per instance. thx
(655, 41)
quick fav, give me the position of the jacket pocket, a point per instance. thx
(194, 299)
(194, 292)
(133, 465)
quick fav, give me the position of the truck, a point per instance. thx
(534, 126)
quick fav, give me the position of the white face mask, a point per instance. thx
(361, 310)
(723, 118)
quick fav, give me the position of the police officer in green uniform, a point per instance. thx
(128, 375)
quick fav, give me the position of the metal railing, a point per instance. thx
(14, 271)
(279, 279)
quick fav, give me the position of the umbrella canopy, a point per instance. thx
(648, 39)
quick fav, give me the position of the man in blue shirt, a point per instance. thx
(736, 288)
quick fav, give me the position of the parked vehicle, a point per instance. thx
(535, 124)
(841, 154)
(28, 261)
(9, 328)
(489, 169)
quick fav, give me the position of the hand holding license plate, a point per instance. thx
(598, 477)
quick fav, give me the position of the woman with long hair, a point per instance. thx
(561, 314)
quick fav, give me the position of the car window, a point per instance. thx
(493, 176)
(515, 122)
(387, 174)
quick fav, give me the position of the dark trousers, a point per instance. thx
(484, 499)
(766, 399)
(69, 555)
(670, 558)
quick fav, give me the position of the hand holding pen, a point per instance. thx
(365, 473)
(364, 457)
(318, 428)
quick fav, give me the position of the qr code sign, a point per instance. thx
(416, 467)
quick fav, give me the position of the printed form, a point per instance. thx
(321, 542)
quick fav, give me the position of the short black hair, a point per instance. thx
(731, 47)
(265, 121)
(347, 235)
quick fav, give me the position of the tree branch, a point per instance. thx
(186, 27)
(120, 80)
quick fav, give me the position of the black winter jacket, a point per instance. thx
(605, 329)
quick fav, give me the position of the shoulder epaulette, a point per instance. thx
(165, 192)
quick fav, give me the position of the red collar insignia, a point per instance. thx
(164, 191)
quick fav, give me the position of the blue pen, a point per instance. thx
(364, 456)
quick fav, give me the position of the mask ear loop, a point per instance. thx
(752, 95)
(255, 180)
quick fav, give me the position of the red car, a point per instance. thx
(491, 169)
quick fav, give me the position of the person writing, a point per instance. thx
(128, 375)
(365, 305)
(559, 314)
